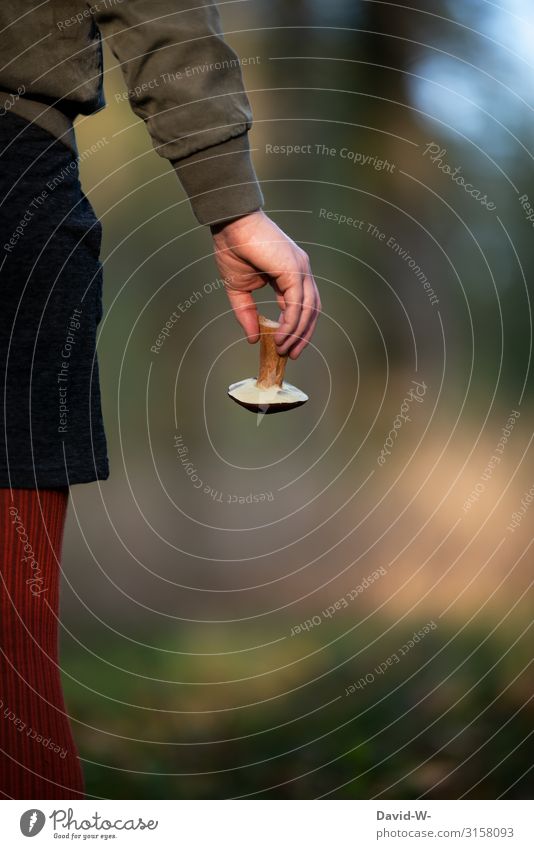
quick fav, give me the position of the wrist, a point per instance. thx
(237, 223)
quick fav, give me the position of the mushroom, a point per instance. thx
(269, 392)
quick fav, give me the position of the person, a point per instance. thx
(51, 283)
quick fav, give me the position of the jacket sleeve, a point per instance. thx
(185, 82)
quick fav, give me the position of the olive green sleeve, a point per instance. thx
(185, 82)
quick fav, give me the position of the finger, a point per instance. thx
(269, 279)
(245, 311)
(297, 349)
(280, 301)
(310, 315)
(307, 308)
(290, 285)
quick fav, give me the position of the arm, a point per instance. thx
(200, 122)
(185, 82)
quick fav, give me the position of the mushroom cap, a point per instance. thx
(275, 399)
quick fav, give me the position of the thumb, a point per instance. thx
(245, 311)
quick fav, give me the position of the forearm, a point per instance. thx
(185, 82)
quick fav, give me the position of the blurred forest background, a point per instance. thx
(187, 670)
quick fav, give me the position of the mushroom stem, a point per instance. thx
(272, 365)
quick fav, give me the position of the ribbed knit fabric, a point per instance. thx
(38, 756)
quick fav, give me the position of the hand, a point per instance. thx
(252, 252)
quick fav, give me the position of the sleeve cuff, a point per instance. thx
(220, 181)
